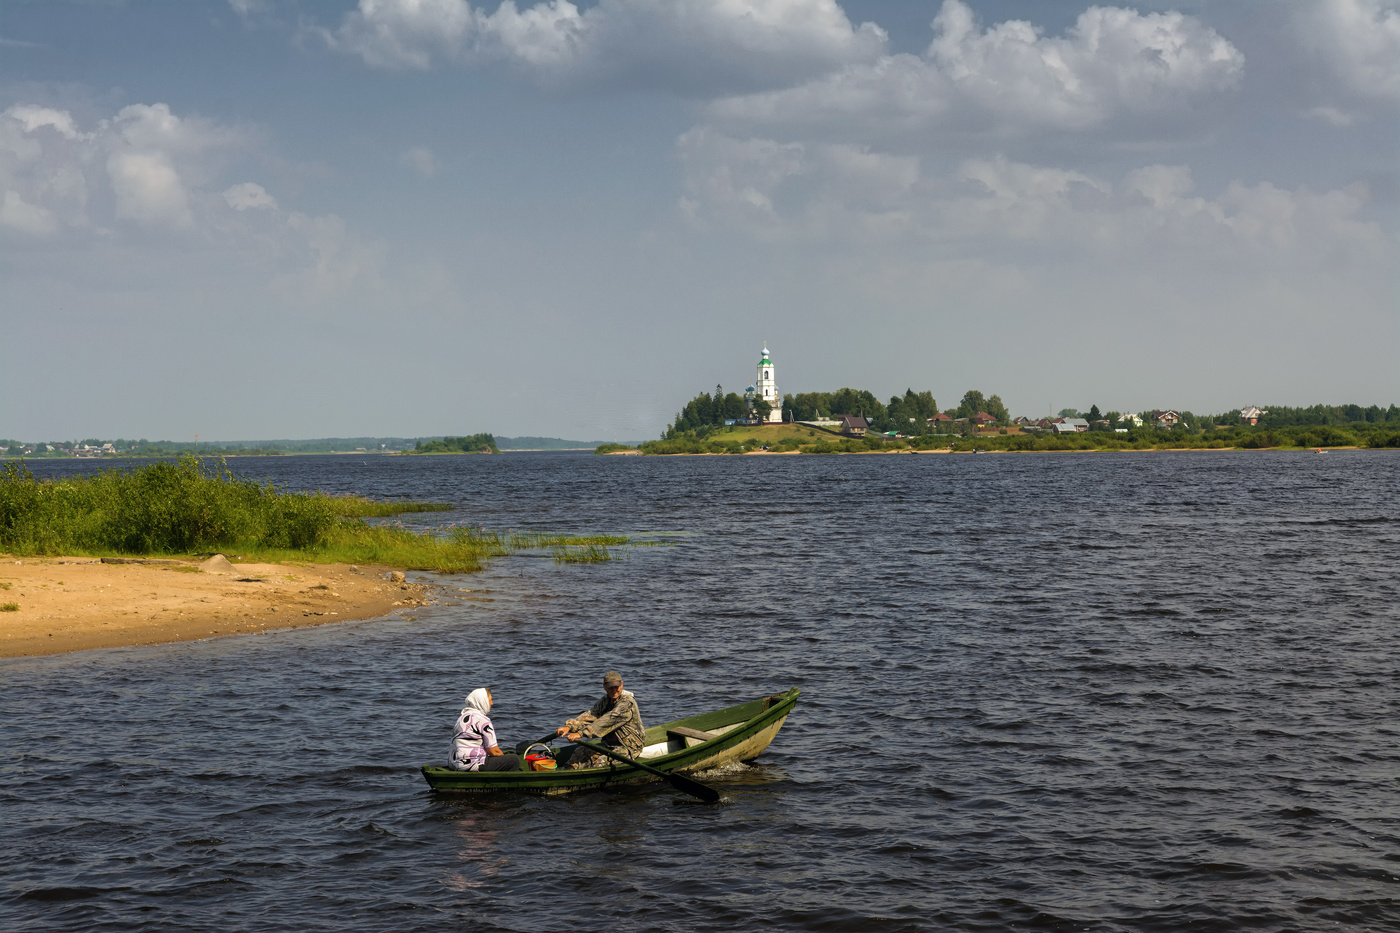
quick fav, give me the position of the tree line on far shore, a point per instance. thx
(910, 418)
(908, 414)
(1144, 438)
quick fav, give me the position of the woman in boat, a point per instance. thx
(474, 745)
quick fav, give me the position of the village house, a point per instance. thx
(1069, 425)
(1165, 419)
(853, 425)
(1251, 415)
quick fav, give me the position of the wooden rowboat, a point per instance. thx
(737, 733)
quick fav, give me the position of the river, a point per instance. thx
(1090, 692)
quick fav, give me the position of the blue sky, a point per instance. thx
(257, 219)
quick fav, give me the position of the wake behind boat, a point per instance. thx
(709, 740)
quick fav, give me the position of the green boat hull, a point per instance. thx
(741, 733)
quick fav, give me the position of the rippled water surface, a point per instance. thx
(1150, 691)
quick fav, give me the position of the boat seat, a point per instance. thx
(685, 732)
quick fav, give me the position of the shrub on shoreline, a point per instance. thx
(188, 508)
(177, 507)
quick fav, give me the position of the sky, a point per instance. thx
(248, 219)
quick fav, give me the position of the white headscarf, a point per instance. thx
(478, 700)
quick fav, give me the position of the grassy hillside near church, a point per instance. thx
(770, 434)
(766, 435)
(778, 438)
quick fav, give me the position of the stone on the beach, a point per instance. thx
(395, 576)
(217, 564)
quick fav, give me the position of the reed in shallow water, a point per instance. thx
(583, 554)
(189, 507)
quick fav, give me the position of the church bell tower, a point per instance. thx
(767, 387)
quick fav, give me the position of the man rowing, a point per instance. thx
(615, 719)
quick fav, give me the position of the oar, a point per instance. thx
(678, 781)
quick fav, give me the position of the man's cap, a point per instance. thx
(611, 678)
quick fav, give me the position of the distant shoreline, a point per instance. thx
(945, 450)
(289, 453)
(194, 453)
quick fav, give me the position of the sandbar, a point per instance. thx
(77, 603)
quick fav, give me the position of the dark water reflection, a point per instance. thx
(1069, 692)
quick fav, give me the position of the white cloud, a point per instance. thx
(1332, 116)
(342, 262)
(733, 179)
(421, 160)
(992, 207)
(249, 196)
(149, 190)
(247, 8)
(32, 118)
(149, 169)
(18, 214)
(1110, 59)
(1358, 41)
(144, 166)
(406, 33)
(1010, 78)
(684, 46)
(774, 189)
(197, 144)
(151, 153)
(43, 158)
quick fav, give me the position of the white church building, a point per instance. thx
(766, 388)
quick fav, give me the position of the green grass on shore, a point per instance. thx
(189, 508)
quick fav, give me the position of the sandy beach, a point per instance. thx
(76, 603)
